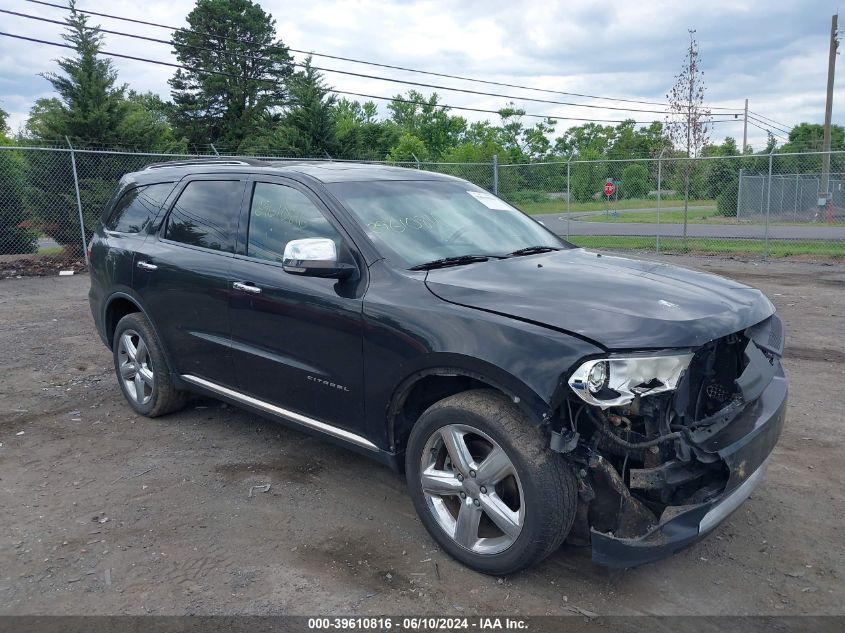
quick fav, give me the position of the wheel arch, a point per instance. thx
(427, 385)
(117, 306)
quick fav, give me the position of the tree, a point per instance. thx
(587, 178)
(589, 138)
(689, 121)
(90, 105)
(15, 235)
(409, 149)
(431, 123)
(90, 108)
(237, 72)
(807, 137)
(524, 144)
(636, 181)
(360, 133)
(146, 125)
(311, 117)
(646, 142)
(4, 126)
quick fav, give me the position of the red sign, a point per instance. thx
(609, 189)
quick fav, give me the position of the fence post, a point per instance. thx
(568, 198)
(416, 160)
(768, 204)
(738, 193)
(659, 187)
(496, 174)
(78, 201)
(216, 153)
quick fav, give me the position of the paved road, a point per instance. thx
(557, 223)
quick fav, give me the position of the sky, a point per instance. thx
(772, 52)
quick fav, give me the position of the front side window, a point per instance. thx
(424, 220)
(279, 214)
(138, 207)
(206, 215)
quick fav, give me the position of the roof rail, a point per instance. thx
(208, 161)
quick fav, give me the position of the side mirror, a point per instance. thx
(315, 257)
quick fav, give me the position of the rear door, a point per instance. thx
(182, 275)
(296, 341)
(123, 230)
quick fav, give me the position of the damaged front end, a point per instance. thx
(667, 445)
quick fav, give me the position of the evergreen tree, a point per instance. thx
(311, 117)
(237, 75)
(90, 107)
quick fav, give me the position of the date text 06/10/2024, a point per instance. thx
(416, 624)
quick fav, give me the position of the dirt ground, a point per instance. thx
(103, 512)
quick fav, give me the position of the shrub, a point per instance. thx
(635, 181)
(17, 234)
(519, 197)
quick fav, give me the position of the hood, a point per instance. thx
(617, 302)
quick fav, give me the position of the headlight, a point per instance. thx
(615, 381)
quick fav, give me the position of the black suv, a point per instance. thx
(531, 391)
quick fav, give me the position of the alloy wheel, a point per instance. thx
(135, 367)
(472, 489)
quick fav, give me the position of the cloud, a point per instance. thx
(772, 52)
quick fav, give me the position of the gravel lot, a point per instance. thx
(104, 512)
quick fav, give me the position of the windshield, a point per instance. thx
(421, 221)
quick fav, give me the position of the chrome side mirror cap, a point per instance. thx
(315, 257)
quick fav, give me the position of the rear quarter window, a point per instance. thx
(138, 208)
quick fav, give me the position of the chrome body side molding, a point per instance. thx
(292, 416)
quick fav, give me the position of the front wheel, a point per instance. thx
(486, 485)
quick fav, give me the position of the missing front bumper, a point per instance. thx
(744, 446)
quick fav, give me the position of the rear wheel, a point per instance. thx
(486, 485)
(141, 368)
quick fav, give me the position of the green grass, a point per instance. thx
(559, 206)
(777, 248)
(696, 216)
(51, 250)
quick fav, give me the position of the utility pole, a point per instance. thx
(824, 185)
(745, 129)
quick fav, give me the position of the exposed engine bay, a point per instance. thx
(643, 430)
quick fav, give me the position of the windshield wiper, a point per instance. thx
(451, 261)
(531, 250)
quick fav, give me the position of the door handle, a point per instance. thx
(147, 266)
(239, 285)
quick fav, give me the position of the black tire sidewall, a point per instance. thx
(531, 540)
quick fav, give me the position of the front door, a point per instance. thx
(182, 276)
(296, 341)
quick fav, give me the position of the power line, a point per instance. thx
(402, 68)
(760, 119)
(354, 94)
(760, 116)
(768, 131)
(767, 124)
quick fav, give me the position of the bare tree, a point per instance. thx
(688, 122)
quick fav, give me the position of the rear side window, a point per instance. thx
(206, 215)
(137, 208)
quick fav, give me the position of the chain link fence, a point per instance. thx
(751, 205)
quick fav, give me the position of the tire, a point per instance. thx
(539, 491)
(153, 381)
